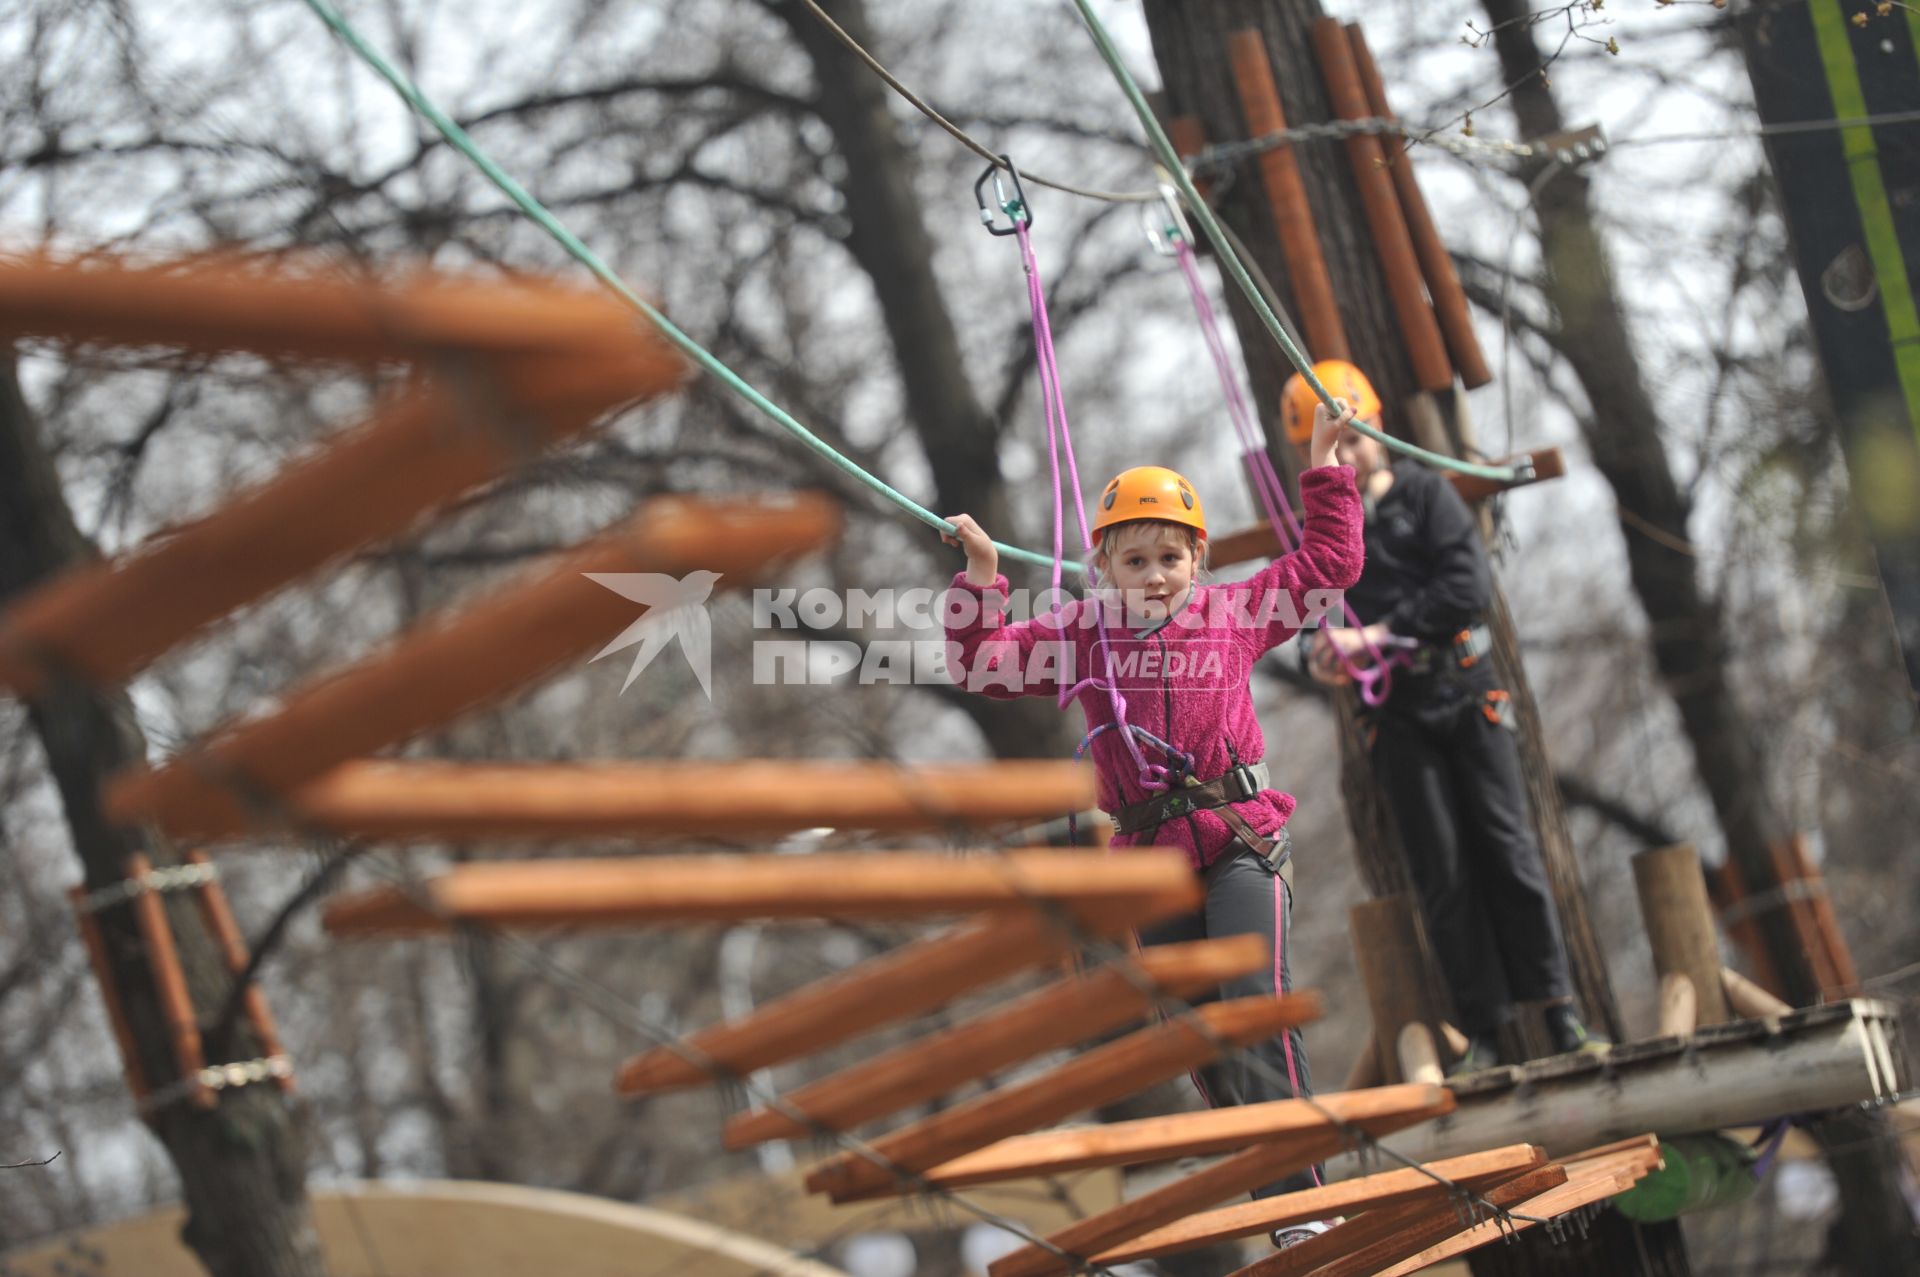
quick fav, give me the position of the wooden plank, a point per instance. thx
(1098, 1077)
(1059, 1015)
(1432, 1224)
(96, 946)
(211, 304)
(1436, 263)
(169, 981)
(446, 667)
(1307, 274)
(1370, 1192)
(895, 986)
(218, 916)
(1578, 1191)
(1261, 1164)
(104, 621)
(1419, 330)
(656, 890)
(1342, 1239)
(1158, 1139)
(450, 801)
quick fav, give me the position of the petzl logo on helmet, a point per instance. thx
(675, 609)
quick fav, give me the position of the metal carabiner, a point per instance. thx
(1165, 224)
(1017, 209)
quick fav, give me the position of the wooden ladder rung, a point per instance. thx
(1059, 1015)
(106, 621)
(456, 801)
(1583, 1188)
(1100, 1076)
(469, 658)
(211, 304)
(1377, 1111)
(1369, 1242)
(661, 890)
(895, 986)
(1175, 1230)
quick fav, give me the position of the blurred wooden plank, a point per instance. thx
(1059, 1015)
(1370, 1192)
(1098, 1077)
(451, 665)
(604, 798)
(658, 890)
(894, 986)
(1159, 1139)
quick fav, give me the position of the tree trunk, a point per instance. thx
(242, 1164)
(888, 237)
(1876, 1226)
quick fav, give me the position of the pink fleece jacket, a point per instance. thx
(1185, 682)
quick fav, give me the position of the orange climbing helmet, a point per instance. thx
(1150, 492)
(1342, 380)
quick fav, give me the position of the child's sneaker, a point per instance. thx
(1481, 1053)
(1568, 1034)
(1296, 1234)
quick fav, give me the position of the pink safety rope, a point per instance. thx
(1152, 776)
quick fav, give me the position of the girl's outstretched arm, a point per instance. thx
(985, 653)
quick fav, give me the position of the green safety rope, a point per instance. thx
(532, 207)
(1170, 160)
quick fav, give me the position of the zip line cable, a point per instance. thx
(458, 138)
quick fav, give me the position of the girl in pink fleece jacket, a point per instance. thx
(1184, 769)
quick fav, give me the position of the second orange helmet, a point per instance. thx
(1342, 380)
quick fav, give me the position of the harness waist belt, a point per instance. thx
(1464, 651)
(1236, 786)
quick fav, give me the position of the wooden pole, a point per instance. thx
(1056, 1016)
(96, 946)
(1748, 1000)
(1679, 922)
(440, 670)
(449, 801)
(1418, 1055)
(1679, 1005)
(1388, 225)
(1185, 1230)
(1098, 1077)
(1727, 890)
(894, 986)
(659, 890)
(1386, 949)
(1436, 264)
(1371, 1192)
(169, 982)
(218, 916)
(1376, 1111)
(1292, 215)
(1818, 901)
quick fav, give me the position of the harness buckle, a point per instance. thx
(1463, 649)
(1242, 779)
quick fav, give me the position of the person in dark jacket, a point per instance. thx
(1442, 742)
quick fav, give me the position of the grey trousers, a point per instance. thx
(1247, 894)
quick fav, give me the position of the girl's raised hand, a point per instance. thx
(1326, 433)
(983, 560)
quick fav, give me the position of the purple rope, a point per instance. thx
(1374, 680)
(1060, 440)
